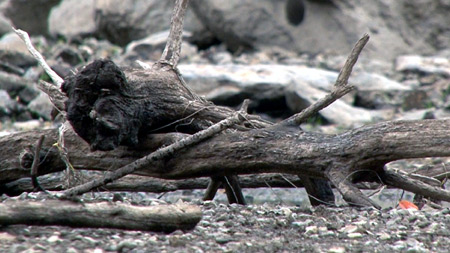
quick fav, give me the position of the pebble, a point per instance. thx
(54, 239)
(336, 249)
(222, 239)
(384, 236)
(4, 236)
(311, 230)
(354, 235)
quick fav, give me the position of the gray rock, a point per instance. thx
(12, 42)
(233, 83)
(13, 84)
(17, 59)
(421, 64)
(152, 46)
(6, 104)
(121, 22)
(42, 106)
(31, 16)
(242, 24)
(395, 27)
(5, 25)
(73, 18)
(415, 114)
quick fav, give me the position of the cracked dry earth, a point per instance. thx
(254, 228)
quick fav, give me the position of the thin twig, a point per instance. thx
(400, 180)
(57, 80)
(35, 165)
(171, 53)
(340, 88)
(159, 154)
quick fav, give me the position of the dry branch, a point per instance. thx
(57, 80)
(171, 53)
(340, 88)
(160, 218)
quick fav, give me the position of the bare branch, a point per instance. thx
(35, 165)
(57, 80)
(400, 180)
(340, 88)
(171, 53)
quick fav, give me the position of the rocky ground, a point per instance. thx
(398, 82)
(252, 228)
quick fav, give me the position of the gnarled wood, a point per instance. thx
(280, 150)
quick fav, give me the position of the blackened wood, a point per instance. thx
(319, 191)
(162, 153)
(233, 189)
(213, 186)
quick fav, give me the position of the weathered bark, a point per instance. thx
(280, 150)
(160, 218)
(135, 183)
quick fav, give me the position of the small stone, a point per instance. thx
(90, 240)
(286, 211)
(222, 239)
(177, 241)
(311, 230)
(27, 125)
(384, 236)
(349, 229)
(423, 224)
(416, 249)
(354, 235)
(71, 250)
(40, 247)
(4, 236)
(126, 245)
(336, 249)
(54, 239)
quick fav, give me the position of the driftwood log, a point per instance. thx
(110, 107)
(159, 218)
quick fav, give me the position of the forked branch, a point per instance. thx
(340, 88)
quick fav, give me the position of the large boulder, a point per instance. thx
(243, 25)
(31, 16)
(73, 18)
(273, 87)
(124, 21)
(330, 26)
(396, 27)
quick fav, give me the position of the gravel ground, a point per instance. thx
(252, 228)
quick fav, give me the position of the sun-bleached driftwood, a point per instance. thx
(159, 218)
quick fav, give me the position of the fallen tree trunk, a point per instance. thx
(280, 150)
(159, 218)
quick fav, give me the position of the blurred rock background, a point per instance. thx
(282, 54)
